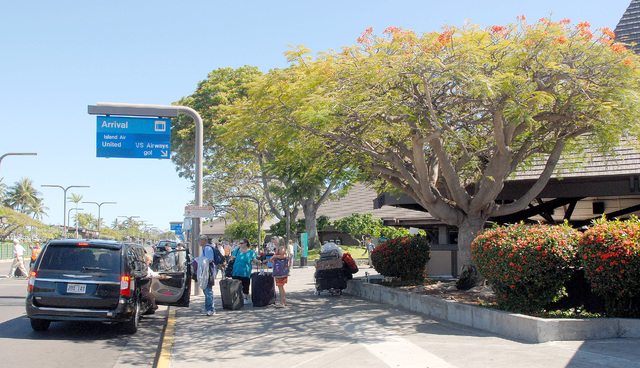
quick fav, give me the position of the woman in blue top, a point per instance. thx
(244, 258)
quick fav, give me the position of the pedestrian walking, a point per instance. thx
(281, 262)
(243, 259)
(181, 255)
(290, 250)
(35, 251)
(18, 259)
(220, 248)
(368, 249)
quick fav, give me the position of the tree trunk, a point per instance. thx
(310, 209)
(467, 232)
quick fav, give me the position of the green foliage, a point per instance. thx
(24, 198)
(610, 254)
(240, 230)
(363, 226)
(359, 226)
(297, 227)
(17, 222)
(405, 258)
(397, 232)
(221, 88)
(465, 107)
(526, 265)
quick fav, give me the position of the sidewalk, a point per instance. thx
(345, 331)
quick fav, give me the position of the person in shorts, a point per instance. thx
(281, 253)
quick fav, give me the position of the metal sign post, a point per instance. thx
(166, 111)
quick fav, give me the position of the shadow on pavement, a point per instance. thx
(312, 327)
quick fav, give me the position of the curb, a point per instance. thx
(163, 355)
(511, 325)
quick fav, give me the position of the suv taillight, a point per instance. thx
(125, 285)
(32, 281)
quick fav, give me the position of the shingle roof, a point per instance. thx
(360, 200)
(628, 29)
(625, 161)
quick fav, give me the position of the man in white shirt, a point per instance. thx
(18, 259)
(271, 246)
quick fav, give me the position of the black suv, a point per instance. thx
(104, 281)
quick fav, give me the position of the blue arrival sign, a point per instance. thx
(133, 137)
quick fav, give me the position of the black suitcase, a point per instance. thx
(263, 289)
(331, 279)
(231, 294)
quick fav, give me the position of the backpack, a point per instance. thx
(349, 263)
(218, 258)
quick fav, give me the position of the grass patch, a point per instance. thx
(356, 252)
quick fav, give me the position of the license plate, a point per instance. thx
(76, 288)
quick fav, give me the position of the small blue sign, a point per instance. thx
(176, 225)
(133, 137)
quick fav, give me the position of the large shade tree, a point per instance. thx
(245, 157)
(448, 117)
(297, 168)
(226, 173)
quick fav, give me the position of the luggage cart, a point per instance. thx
(330, 274)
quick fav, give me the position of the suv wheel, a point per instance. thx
(40, 324)
(131, 326)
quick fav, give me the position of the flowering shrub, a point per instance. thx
(405, 258)
(526, 265)
(610, 254)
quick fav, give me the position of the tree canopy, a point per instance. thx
(16, 221)
(447, 117)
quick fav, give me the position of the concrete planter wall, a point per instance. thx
(511, 325)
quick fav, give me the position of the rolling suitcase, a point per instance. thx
(231, 294)
(263, 289)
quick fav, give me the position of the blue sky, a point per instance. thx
(58, 57)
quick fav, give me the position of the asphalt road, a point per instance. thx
(69, 344)
(315, 331)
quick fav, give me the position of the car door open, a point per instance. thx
(175, 290)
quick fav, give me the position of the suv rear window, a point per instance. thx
(74, 258)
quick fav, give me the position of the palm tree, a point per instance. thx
(116, 225)
(22, 195)
(75, 198)
(86, 220)
(3, 190)
(98, 225)
(38, 209)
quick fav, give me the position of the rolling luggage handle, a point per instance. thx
(262, 267)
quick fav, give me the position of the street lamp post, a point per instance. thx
(69, 217)
(64, 213)
(99, 206)
(17, 154)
